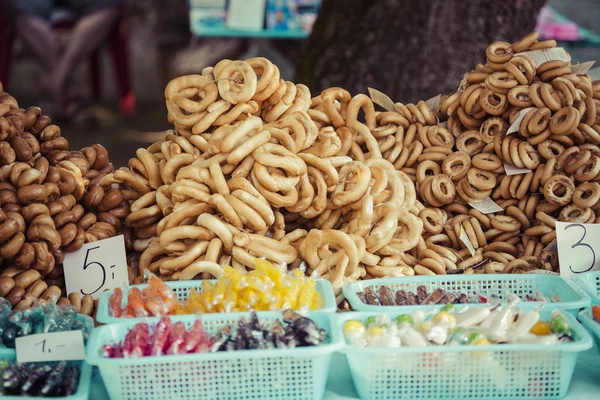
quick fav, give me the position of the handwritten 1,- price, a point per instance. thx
(578, 247)
(55, 346)
(96, 267)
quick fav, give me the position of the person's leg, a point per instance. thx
(31, 24)
(89, 33)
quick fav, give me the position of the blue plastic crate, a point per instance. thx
(83, 388)
(299, 373)
(182, 290)
(507, 371)
(573, 298)
(590, 282)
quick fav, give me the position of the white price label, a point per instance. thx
(578, 247)
(541, 56)
(514, 127)
(514, 170)
(582, 68)
(434, 103)
(487, 206)
(96, 267)
(465, 239)
(383, 100)
(55, 346)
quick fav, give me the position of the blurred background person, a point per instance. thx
(33, 24)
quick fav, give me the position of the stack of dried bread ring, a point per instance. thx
(255, 167)
(50, 203)
(468, 156)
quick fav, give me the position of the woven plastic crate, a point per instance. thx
(590, 282)
(83, 388)
(573, 298)
(585, 316)
(88, 321)
(299, 373)
(182, 290)
(464, 372)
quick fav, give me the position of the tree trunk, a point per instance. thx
(409, 49)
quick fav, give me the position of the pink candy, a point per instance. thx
(162, 339)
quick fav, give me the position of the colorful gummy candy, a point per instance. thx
(474, 325)
(385, 296)
(55, 379)
(264, 288)
(167, 338)
(596, 313)
(40, 318)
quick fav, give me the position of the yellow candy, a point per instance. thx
(444, 318)
(267, 287)
(481, 342)
(375, 331)
(353, 326)
(540, 328)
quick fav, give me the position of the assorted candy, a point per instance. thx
(596, 313)
(475, 325)
(166, 338)
(385, 296)
(41, 318)
(55, 379)
(265, 288)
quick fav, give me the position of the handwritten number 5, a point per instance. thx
(86, 265)
(579, 244)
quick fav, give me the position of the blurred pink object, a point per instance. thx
(552, 26)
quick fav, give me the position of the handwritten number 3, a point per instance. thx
(579, 244)
(86, 265)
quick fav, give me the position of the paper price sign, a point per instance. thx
(383, 100)
(578, 247)
(465, 239)
(96, 267)
(55, 346)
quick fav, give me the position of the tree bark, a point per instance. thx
(409, 49)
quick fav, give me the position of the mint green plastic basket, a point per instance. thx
(507, 371)
(299, 373)
(6, 353)
(585, 316)
(83, 388)
(590, 282)
(573, 298)
(182, 290)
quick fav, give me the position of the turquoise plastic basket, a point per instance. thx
(590, 282)
(585, 316)
(573, 297)
(88, 321)
(299, 373)
(182, 289)
(464, 372)
(83, 388)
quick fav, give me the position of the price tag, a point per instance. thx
(487, 206)
(578, 247)
(96, 267)
(582, 68)
(55, 346)
(465, 239)
(513, 170)
(541, 56)
(434, 103)
(515, 125)
(383, 100)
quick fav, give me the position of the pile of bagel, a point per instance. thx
(257, 166)
(50, 204)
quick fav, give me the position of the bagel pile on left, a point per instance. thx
(50, 204)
